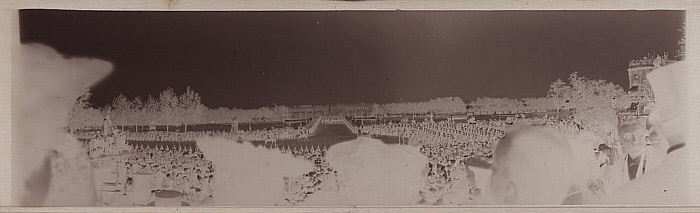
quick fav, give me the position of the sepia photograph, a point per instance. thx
(422, 108)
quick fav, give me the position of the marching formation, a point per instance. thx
(450, 147)
(323, 177)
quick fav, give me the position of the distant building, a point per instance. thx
(638, 70)
(307, 111)
(639, 90)
(352, 109)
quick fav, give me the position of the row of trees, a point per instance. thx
(576, 92)
(226, 115)
(168, 109)
(594, 101)
(492, 105)
(447, 105)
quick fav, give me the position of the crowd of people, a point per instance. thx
(445, 141)
(323, 177)
(182, 169)
(272, 134)
(106, 145)
(646, 162)
(448, 144)
(268, 135)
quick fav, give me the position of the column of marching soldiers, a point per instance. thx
(447, 144)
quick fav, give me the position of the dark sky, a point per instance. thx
(254, 59)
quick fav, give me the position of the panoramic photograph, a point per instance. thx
(350, 108)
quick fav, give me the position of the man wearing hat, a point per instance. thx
(668, 184)
(638, 157)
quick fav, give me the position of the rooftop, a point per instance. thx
(649, 61)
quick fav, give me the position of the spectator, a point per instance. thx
(532, 166)
(668, 183)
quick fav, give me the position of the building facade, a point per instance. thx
(639, 91)
(308, 111)
(352, 110)
(638, 70)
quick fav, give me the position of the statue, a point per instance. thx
(657, 62)
(107, 125)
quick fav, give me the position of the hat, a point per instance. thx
(671, 86)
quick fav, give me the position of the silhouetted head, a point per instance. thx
(532, 165)
(47, 84)
(670, 114)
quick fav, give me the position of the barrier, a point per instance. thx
(314, 125)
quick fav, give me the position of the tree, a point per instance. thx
(168, 104)
(488, 104)
(281, 112)
(596, 102)
(378, 109)
(190, 107)
(83, 101)
(138, 112)
(541, 103)
(122, 111)
(151, 110)
(588, 93)
(680, 53)
(82, 114)
(560, 93)
(447, 105)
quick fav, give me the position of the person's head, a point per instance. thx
(669, 116)
(532, 165)
(605, 149)
(655, 138)
(632, 137)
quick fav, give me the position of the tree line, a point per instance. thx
(576, 92)
(445, 105)
(594, 101)
(169, 109)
